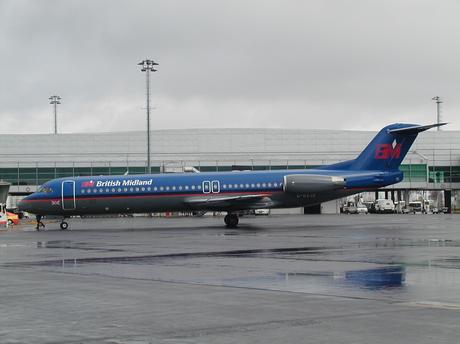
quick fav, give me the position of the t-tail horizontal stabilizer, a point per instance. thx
(416, 128)
(387, 150)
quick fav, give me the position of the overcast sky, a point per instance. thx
(357, 64)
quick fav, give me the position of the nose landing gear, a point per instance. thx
(64, 225)
(231, 220)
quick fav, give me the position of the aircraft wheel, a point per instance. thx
(231, 220)
(64, 225)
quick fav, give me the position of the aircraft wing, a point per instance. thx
(235, 201)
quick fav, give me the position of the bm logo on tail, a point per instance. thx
(387, 151)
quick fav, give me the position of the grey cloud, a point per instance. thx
(311, 64)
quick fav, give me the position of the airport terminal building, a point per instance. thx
(432, 164)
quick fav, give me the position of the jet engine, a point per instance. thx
(305, 183)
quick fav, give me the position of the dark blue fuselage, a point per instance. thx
(176, 192)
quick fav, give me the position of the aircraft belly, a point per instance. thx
(167, 204)
(130, 205)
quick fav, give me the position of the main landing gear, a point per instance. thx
(39, 222)
(231, 220)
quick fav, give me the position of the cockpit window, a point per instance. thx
(45, 189)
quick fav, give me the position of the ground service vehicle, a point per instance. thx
(400, 207)
(262, 212)
(384, 206)
(416, 207)
(361, 209)
(12, 218)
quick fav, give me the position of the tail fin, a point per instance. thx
(388, 148)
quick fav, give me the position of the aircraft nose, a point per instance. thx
(25, 205)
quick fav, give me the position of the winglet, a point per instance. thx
(415, 129)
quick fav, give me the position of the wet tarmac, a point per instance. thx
(291, 279)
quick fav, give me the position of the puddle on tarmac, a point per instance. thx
(280, 269)
(388, 277)
(153, 259)
(68, 244)
(450, 262)
(404, 242)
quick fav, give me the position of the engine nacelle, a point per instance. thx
(305, 183)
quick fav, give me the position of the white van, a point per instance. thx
(384, 206)
(416, 207)
(262, 212)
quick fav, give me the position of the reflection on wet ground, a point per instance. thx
(331, 279)
(356, 261)
(314, 270)
(67, 244)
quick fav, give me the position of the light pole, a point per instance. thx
(55, 100)
(148, 66)
(438, 109)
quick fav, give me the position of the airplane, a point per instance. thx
(231, 192)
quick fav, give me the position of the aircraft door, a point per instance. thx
(215, 186)
(206, 186)
(68, 195)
